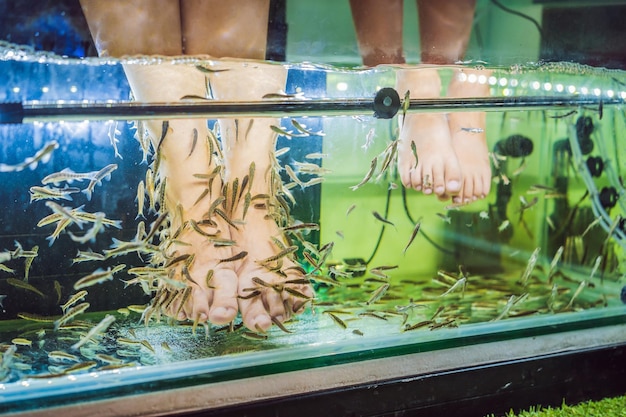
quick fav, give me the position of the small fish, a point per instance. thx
(97, 277)
(579, 289)
(67, 175)
(286, 133)
(368, 176)
(279, 255)
(280, 152)
(304, 130)
(473, 129)
(74, 299)
(337, 320)
(382, 219)
(414, 151)
(57, 290)
(503, 226)
(59, 355)
(253, 336)
(555, 261)
(349, 210)
(79, 367)
(35, 317)
(406, 103)
(24, 285)
(377, 294)
(532, 261)
(103, 174)
(316, 155)
(22, 341)
(369, 139)
(140, 199)
(43, 155)
(84, 256)
(29, 261)
(301, 226)
(236, 257)
(416, 230)
(51, 193)
(91, 234)
(70, 314)
(461, 283)
(99, 328)
(194, 141)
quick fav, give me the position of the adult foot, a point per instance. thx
(426, 158)
(201, 284)
(272, 286)
(469, 139)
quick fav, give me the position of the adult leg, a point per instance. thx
(378, 27)
(445, 28)
(127, 27)
(379, 33)
(249, 144)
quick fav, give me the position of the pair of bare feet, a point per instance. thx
(444, 154)
(228, 253)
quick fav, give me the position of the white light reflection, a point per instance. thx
(342, 86)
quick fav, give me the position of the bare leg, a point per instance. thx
(248, 151)
(379, 30)
(427, 138)
(214, 300)
(468, 135)
(445, 28)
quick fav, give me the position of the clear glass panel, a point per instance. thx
(394, 271)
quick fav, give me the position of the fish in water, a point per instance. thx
(43, 155)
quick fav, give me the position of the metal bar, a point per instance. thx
(29, 112)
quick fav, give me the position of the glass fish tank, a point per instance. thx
(375, 297)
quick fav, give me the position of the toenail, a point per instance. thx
(202, 317)
(440, 190)
(279, 318)
(418, 188)
(453, 185)
(427, 191)
(457, 200)
(181, 316)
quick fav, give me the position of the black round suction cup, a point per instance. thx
(584, 128)
(386, 103)
(515, 146)
(608, 197)
(595, 165)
